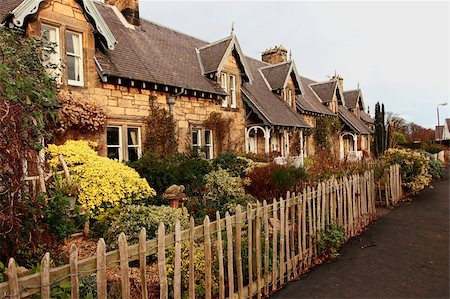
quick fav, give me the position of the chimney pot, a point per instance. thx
(275, 55)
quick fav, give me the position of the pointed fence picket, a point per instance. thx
(281, 244)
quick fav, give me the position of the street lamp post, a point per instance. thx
(438, 127)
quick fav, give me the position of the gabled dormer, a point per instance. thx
(281, 75)
(354, 101)
(224, 62)
(330, 93)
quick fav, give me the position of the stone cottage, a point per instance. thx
(113, 58)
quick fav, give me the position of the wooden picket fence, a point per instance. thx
(281, 240)
(389, 188)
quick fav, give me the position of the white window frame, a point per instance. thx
(209, 147)
(139, 145)
(120, 145)
(78, 58)
(198, 142)
(56, 56)
(289, 94)
(233, 90)
(224, 85)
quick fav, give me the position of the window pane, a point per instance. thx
(71, 68)
(208, 153)
(70, 47)
(113, 153)
(207, 137)
(133, 136)
(194, 137)
(133, 154)
(112, 136)
(232, 82)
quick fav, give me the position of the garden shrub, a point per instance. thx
(271, 181)
(330, 240)
(102, 182)
(224, 192)
(435, 168)
(232, 163)
(132, 218)
(433, 148)
(179, 169)
(413, 167)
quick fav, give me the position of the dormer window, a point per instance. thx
(50, 57)
(223, 83)
(73, 56)
(74, 49)
(233, 90)
(229, 85)
(288, 96)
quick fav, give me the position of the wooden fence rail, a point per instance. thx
(251, 253)
(389, 188)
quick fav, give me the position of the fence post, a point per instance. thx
(45, 276)
(287, 238)
(299, 232)
(258, 248)
(304, 248)
(163, 288)
(266, 249)
(250, 249)
(143, 261)
(177, 272)
(293, 257)
(310, 226)
(275, 245)
(74, 283)
(101, 269)
(220, 257)
(240, 280)
(230, 271)
(12, 279)
(282, 241)
(191, 259)
(207, 258)
(124, 272)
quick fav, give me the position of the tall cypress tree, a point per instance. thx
(380, 140)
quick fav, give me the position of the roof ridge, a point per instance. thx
(325, 82)
(216, 42)
(278, 64)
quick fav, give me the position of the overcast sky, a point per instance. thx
(397, 51)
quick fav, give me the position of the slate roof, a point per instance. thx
(211, 55)
(351, 98)
(273, 109)
(365, 117)
(353, 122)
(276, 74)
(309, 101)
(325, 90)
(154, 53)
(6, 6)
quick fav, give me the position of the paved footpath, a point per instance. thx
(404, 254)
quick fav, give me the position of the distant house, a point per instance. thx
(114, 58)
(442, 132)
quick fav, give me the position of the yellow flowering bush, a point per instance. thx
(413, 167)
(102, 182)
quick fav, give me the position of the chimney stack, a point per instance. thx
(340, 80)
(128, 8)
(275, 55)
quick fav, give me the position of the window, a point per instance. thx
(290, 97)
(74, 64)
(275, 142)
(134, 143)
(113, 142)
(223, 83)
(202, 140)
(51, 56)
(196, 140)
(233, 91)
(208, 145)
(116, 149)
